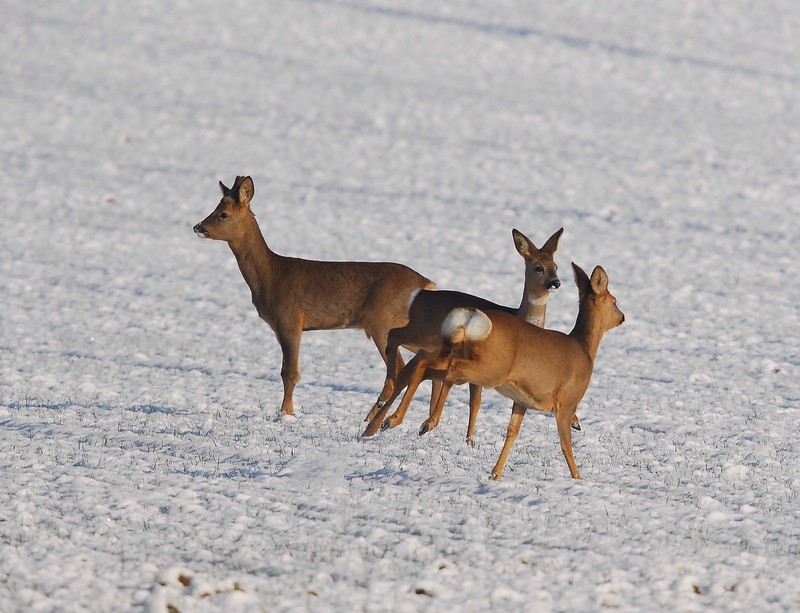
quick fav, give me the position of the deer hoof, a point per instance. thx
(386, 425)
(423, 429)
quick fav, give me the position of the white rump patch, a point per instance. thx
(466, 324)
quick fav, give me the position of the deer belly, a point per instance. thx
(332, 324)
(330, 319)
(522, 397)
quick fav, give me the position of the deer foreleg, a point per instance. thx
(517, 413)
(564, 418)
(290, 367)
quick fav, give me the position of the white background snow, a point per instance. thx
(143, 463)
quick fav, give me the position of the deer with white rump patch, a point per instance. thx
(538, 369)
(293, 295)
(423, 333)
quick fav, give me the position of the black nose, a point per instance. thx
(198, 228)
(554, 284)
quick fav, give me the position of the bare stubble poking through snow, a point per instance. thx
(135, 450)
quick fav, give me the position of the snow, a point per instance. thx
(142, 460)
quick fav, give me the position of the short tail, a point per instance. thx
(466, 324)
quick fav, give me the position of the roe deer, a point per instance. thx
(293, 295)
(423, 333)
(539, 369)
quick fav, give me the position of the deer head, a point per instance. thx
(228, 221)
(599, 305)
(541, 271)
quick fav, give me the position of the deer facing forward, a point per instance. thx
(293, 295)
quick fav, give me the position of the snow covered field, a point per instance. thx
(143, 463)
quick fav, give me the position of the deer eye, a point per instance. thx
(223, 216)
(539, 269)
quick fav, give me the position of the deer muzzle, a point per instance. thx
(554, 284)
(200, 231)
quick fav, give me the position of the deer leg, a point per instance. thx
(436, 391)
(290, 367)
(373, 411)
(389, 346)
(443, 389)
(417, 367)
(375, 423)
(517, 413)
(475, 393)
(378, 413)
(564, 421)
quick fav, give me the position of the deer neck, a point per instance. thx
(588, 330)
(533, 307)
(254, 257)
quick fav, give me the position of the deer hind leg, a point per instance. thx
(436, 391)
(417, 367)
(290, 367)
(440, 390)
(475, 393)
(389, 345)
(517, 413)
(564, 422)
(403, 379)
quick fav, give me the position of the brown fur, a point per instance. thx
(293, 295)
(423, 334)
(538, 369)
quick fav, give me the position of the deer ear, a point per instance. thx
(244, 189)
(523, 244)
(552, 243)
(582, 281)
(599, 280)
(225, 191)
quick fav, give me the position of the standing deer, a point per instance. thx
(423, 333)
(293, 295)
(538, 369)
